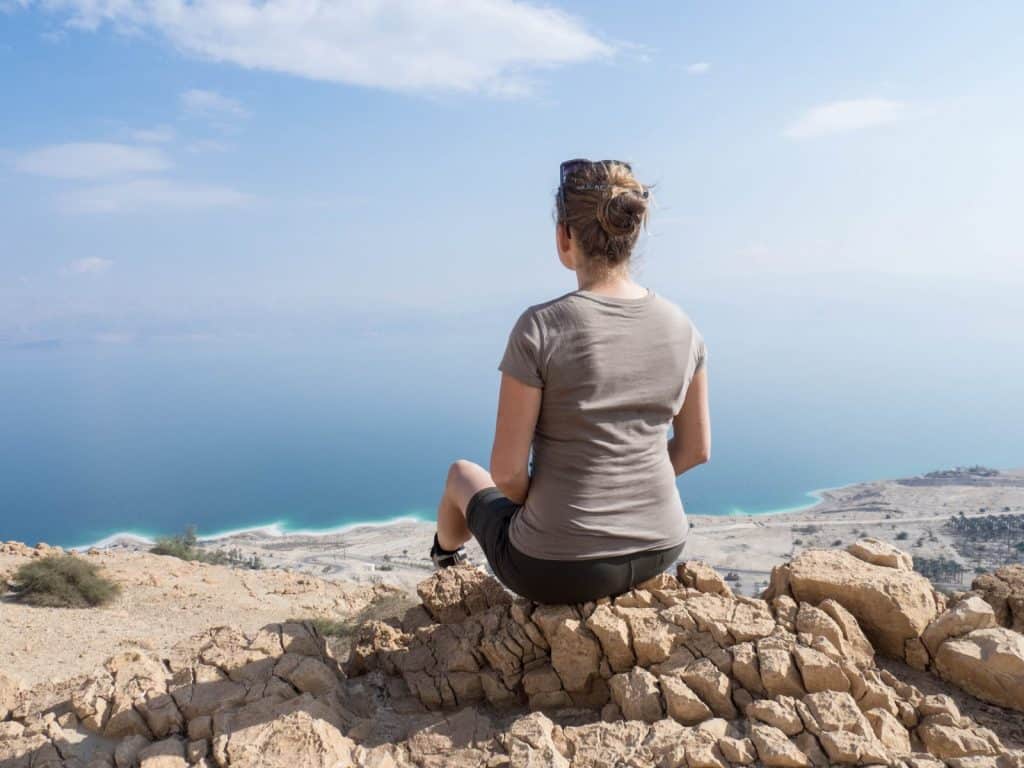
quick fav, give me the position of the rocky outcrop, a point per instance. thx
(681, 677)
(679, 672)
(873, 581)
(1004, 591)
(904, 617)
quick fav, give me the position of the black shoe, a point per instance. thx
(444, 558)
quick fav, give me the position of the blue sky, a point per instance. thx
(190, 166)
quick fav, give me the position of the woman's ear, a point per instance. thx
(563, 243)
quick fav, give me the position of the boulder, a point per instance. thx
(878, 552)
(891, 605)
(1004, 591)
(967, 615)
(682, 703)
(986, 662)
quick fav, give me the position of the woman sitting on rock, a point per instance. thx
(592, 381)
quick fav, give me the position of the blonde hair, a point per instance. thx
(604, 206)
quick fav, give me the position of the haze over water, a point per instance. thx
(334, 418)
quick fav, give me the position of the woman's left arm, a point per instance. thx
(518, 409)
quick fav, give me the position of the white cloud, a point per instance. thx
(846, 116)
(91, 265)
(91, 160)
(149, 194)
(434, 45)
(699, 68)
(160, 135)
(211, 104)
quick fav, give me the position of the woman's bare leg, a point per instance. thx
(464, 479)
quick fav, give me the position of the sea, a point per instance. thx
(340, 418)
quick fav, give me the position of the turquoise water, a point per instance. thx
(320, 426)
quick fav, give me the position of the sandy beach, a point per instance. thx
(910, 512)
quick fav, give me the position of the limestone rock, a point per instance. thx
(682, 703)
(774, 749)
(286, 734)
(10, 691)
(967, 615)
(460, 591)
(612, 632)
(986, 662)
(575, 655)
(891, 605)
(878, 552)
(637, 694)
(1004, 591)
(712, 685)
(169, 753)
(818, 671)
(702, 577)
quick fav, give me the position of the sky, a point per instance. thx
(172, 168)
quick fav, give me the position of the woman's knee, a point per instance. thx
(465, 478)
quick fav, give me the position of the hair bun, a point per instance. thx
(622, 212)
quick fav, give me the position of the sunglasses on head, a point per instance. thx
(569, 167)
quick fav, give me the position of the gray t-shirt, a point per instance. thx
(613, 372)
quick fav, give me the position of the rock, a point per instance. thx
(774, 749)
(1004, 591)
(126, 753)
(781, 714)
(161, 715)
(966, 616)
(455, 593)
(818, 671)
(711, 685)
(310, 676)
(858, 648)
(653, 637)
(702, 577)
(575, 655)
(682, 703)
(737, 751)
(530, 744)
(10, 691)
(891, 605)
(945, 741)
(889, 731)
(779, 673)
(848, 748)
(746, 669)
(878, 552)
(298, 732)
(169, 753)
(196, 750)
(834, 711)
(612, 632)
(988, 663)
(637, 694)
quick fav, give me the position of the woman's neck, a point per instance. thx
(616, 283)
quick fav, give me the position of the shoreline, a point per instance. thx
(910, 512)
(279, 528)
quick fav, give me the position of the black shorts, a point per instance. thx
(488, 515)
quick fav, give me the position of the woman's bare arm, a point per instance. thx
(691, 428)
(518, 409)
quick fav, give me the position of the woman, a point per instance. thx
(591, 381)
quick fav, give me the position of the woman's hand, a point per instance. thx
(518, 409)
(691, 428)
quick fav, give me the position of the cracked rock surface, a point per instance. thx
(677, 673)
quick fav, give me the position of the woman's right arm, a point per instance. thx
(691, 428)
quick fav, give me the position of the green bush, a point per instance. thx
(902, 536)
(184, 547)
(63, 581)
